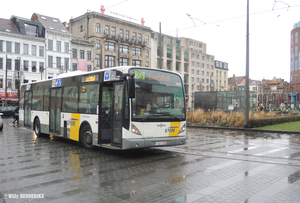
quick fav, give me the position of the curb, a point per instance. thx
(244, 129)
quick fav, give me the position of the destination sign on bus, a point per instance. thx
(90, 78)
(151, 76)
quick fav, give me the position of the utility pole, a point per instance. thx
(6, 82)
(160, 48)
(246, 123)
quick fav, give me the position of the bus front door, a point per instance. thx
(117, 115)
(111, 114)
(55, 110)
(27, 109)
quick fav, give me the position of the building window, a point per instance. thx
(136, 62)
(50, 45)
(1, 45)
(109, 61)
(89, 68)
(147, 53)
(66, 63)
(147, 39)
(136, 51)
(139, 38)
(296, 37)
(109, 46)
(81, 54)
(9, 83)
(8, 47)
(41, 51)
(8, 63)
(98, 27)
(25, 65)
(296, 64)
(33, 50)
(127, 35)
(25, 49)
(74, 53)
(113, 32)
(98, 60)
(89, 55)
(134, 37)
(50, 61)
(74, 65)
(295, 78)
(17, 64)
(124, 62)
(121, 34)
(97, 44)
(124, 49)
(58, 62)
(33, 66)
(58, 46)
(17, 48)
(66, 47)
(41, 66)
(106, 30)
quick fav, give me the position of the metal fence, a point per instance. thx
(221, 100)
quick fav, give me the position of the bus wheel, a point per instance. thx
(86, 137)
(37, 127)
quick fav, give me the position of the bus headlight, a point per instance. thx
(182, 129)
(135, 130)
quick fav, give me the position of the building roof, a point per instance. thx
(236, 80)
(50, 23)
(6, 25)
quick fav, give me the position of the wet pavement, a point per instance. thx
(213, 166)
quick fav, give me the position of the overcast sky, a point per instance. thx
(220, 24)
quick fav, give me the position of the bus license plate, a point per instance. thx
(160, 143)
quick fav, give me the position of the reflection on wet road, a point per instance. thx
(213, 166)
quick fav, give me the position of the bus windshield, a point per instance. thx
(158, 96)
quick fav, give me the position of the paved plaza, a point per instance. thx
(213, 166)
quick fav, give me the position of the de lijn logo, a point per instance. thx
(106, 76)
(171, 129)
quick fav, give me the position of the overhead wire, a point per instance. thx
(233, 18)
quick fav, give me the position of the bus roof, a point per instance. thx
(123, 69)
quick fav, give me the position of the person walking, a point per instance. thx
(16, 115)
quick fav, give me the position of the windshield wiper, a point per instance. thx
(161, 114)
(156, 114)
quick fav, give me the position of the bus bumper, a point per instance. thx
(153, 142)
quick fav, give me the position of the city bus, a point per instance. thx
(122, 117)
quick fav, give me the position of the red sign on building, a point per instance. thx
(102, 9)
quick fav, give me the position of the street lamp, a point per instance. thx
(193, 97)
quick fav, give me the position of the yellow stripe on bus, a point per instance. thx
(74, 129)
(174, 129)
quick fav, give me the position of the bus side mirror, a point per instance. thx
(131, 86)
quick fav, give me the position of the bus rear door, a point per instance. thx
(27, 108)
(55, 110)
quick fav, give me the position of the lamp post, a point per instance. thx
(246, 123)
(193, 96)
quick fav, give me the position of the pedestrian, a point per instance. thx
(16, 115)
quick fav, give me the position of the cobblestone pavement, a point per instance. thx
(213, 166)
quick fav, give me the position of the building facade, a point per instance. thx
(82, 55)
(187, 57)
(57, 51)
(117, 42)
(22, 53)
(221, 76)
(294, 87)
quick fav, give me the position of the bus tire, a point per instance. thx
(86, 137)
(37, 127)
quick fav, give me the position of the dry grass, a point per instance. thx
(200, 117)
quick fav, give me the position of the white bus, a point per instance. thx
(124, 116)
